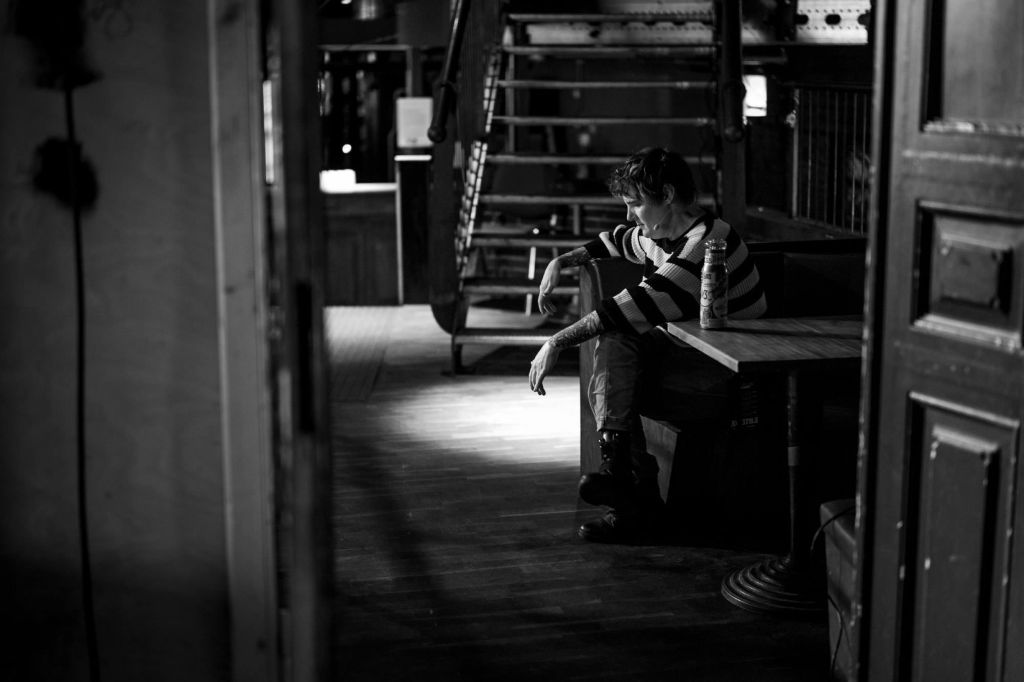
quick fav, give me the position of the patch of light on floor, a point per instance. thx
(501, 421)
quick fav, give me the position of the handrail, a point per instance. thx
(731, 72)
(445, 97)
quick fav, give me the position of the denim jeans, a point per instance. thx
(655, 376)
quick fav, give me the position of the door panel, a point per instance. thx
(944, 599)
(968, 86)
(964, 465)
(970, 279)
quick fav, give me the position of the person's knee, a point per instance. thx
(612, 436)
(614, 342)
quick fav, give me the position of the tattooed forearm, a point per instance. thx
(575, 257)
(583, 329)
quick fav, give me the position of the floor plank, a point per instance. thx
(454, 549)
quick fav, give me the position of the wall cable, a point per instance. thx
(88, 606)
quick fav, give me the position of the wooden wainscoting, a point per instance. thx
(361, 243)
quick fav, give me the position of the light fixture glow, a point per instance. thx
(337, 181)
(755, 101)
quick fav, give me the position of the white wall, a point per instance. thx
(156, 464)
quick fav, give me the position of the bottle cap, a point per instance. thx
(714, 251)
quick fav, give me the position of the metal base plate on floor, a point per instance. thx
(774, 586)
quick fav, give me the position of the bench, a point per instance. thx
(721, 448)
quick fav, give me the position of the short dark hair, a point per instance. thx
(647, 172)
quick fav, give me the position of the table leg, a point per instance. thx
(784, 584)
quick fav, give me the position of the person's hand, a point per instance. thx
(548, 282)
(542, 364)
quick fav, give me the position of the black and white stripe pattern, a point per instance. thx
(670, 289)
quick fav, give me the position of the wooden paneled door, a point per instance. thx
(941, 482)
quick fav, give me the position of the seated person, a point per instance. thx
(668, 239)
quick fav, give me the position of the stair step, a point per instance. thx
(613, 51)
(490, 286)
(499, 336)
(541, 241)
(568, 199)
(681, 12)
(547, 200)
(607, 85)
(555, 159)
(604, 120)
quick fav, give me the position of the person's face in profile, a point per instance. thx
(652, 215)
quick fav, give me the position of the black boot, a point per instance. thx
(612, 483)
(615, 527)
(626, 526)
(646, 492)
(640, 519)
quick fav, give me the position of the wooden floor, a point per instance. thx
(454, 549)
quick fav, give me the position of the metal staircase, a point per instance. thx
(567, 97)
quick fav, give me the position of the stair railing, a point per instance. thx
(474, 28)
(731, 72)
(473, 181)
(445, 99)
(732, 173)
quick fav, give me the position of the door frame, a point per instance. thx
(299, 372)
(273, 380)
(883, 35)
(236, 132)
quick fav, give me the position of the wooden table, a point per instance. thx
(796, 346)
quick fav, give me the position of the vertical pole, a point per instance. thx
(733, 198)
(797, 541)
(794, 161)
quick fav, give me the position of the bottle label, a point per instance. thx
(714, 297)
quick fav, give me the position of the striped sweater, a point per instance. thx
(670, 288)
